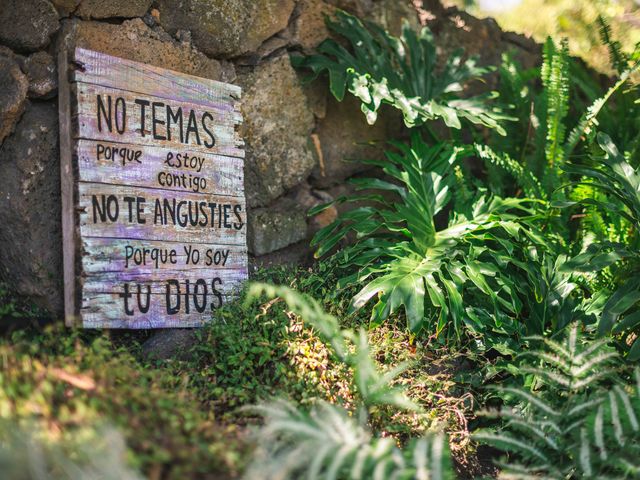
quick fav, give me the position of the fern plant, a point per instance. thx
(536, 144)
(619, 59)
(578, 421)
(544, 138)
(330, 442)
(622, 121)
(402, 72)
(620, 182)
(467, 271)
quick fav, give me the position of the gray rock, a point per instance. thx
(307, 198)
(277, 127)
(297, 255)
(13, 93)
(65, 7)
(170, 343)
(484, 39)
(31, 253)
(225, 28)
(112, 8)
(392, 14)
(360, 8)
(275, 227)
(27, 25)
(134, 40)
(309, 27)
(344, 137)
(42, 74)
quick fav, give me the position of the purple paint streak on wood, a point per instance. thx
(91, 117)
(120, 164)
(101, 69)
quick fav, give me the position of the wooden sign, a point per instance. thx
(154, 217)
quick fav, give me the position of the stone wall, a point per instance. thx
(297, 137)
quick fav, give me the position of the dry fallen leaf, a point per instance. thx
(80, 381)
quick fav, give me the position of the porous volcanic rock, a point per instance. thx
(65, 7)
(344, 138)
(309, 27)
(112, 8)
(13, 92)
(134, 40)
(275, 227)
(31, 253)
(42, 75)
(226, 28)
(277, 127)
(27, 25)
(173, 343)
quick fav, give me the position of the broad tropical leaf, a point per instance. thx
(401, 72)
(442, 278)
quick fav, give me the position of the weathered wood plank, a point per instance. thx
(147, 257)
(101, 69)
(120, 163)
(220, 112)
(67, 188)
(113, 282)
(214, 219)
(106, 310)
(113, 115)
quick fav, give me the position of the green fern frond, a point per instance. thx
(522, 176)
(578, 423)
(618, 58)
(512, 444)
(329, 444)
(26, 454)
(555, 78)
(532, 400)
(588, 119)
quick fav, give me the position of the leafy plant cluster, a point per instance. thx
(465, 257)
(579, 418)
(520, 221)
(545, 235)
(401, 72)
(62, 392)
(455, 264)
(330, 441)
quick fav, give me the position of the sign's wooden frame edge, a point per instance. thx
(67, 183)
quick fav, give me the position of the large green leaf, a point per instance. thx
(486, 254)
(402, 72)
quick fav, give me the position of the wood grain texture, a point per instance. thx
(147, 257)
(153, 214)
(215, 231)
(101, 69)
(112, 282)
(67, 187)
(138, 128)
(220, 175)
(97, 312)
